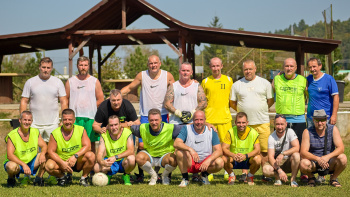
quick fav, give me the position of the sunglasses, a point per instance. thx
(320, 120)
(280, 116)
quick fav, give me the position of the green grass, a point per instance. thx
(217, 188)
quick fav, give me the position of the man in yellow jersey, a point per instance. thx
(217, 88)
(22, 152)
(116, 151)
(241, 149)
(158, 138)
(69, 150)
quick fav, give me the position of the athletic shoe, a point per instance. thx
(196, 178)
(84, 182)
(38, 181)
(153, 180)
(320, 180)
(266, 179)
(304, 178)
(69, 179)
(231, 180)
(278, 183)
(243, 178)
(11, 182)
(250, 180)
(126, 179)
(109, 178)
(205, 180)
(210, 177)
(159, 179)
(226, 177)
(52, 180)
(61, 181)
(184, 183)
(165, 180)
(139, 178)
(25, 181)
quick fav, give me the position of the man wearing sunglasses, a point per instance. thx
(322, 150)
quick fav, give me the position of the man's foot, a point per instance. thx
(109, 178)
(210, 177)
(153, 180)
(231, 180)
(61, 181)
(196, 178)
(25, 181)
(250, 180)
(126, 179)
(139, 178)
(69, 179)
(243, 178)
(52, 180)
(320, 180)
(304, 178)
(205, 180)
(334, 183)
(278, 183)
(184, 183)
(165, 180)
(11, 182)
(311, 182)
(84, 182)
(266, 179)
(294, 184)
(38, 181)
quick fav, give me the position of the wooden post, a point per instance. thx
(123, 14)
(99, 62)
(70, 60)
(91, 56)
(300, 59)
(1, 58)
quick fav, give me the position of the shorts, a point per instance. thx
(30, 165)
(286, 165)
(45, 130)
(155, 161)
(320, 171)
(298, 129)
(195, 166)
(116, 167)
(242, 165)
(87, 124)
(144, 119)
(222, 129)
(264, 133)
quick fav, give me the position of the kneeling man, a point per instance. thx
(198, 150)
(242, 150)
(69, 150)
(116, 151)
(322, 150)
(283, 153)
(22, 152)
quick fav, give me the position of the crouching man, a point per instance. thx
(69, 150)
(116, 151)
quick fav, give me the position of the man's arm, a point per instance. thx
(256, 151)
(96, 126)
(23, 105)
(333, 119)
(129, 148)
(51, 150)
(42, 144)
(305, 146)
(98, 93)
(201, 99)
(134, 84)
(85, 143)
(101, 152)
(226, 150)
(169, 99)
(270, 102)
(64, 102)
(170, 78)
(12, 157)
(338, 143)
(233, 105)
(67, 87)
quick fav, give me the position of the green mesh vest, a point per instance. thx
(242, 146)
(115, 147)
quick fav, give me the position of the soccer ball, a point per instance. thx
(100, 179)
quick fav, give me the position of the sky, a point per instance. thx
(18, 16)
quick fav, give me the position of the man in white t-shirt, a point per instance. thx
(283, 153)
(254, 96)
(43, 92)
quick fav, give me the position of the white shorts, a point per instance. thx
(155, 161)
(45, 130)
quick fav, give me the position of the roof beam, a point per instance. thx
(81, 45)
(117, 31)
(170, 45)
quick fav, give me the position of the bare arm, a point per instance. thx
(67, 87)
(201, 99)
(23, 105)
(101, 152)
(255, 152)
(180, 145)
(10, 154)
(170, 78)
(96, 126)
(64, 102)
(98, 93)
(42, 144)
(333, 119)
(130, 123)
(51, 150)
(295, 148)
(169, 99)
(129, 149)
(217, 152)
(305, 146)
(270, 102)
(338, 143)
(233, 105)
(133, 85)
(85, 143)
(226, 150)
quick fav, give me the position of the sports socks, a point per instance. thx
(232, 174)
(205, 174)
(250, 174)
(167, 170)
(185, 176)
(148, 168)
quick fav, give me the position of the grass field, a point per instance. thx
(217, 188)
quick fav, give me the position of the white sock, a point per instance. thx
(250, 174)
(148, 168)
(167, 170)
(232, 174)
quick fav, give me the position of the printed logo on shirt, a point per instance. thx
(29, 150)
(122, 119)
(184, 94)
(198, 142)
(79, 87)
(319, 89)
(289, 89)
(70, 149)
(153, 86)
(116, 150)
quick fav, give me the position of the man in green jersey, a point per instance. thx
(22, 152)
(158, 139)
(116, 151)
(69, 150)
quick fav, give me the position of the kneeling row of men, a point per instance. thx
(194, 148)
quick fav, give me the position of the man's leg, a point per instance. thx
(144, 161)
(295, 162)
(307, 167)
(184, 161)
(169, 163)
(255, 163)
(337, 165)
(86, 163)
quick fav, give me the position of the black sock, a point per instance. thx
(205, 174)
(140, 170)
(185, 176)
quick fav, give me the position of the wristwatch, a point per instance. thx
(76, 156)
(116, 157)
(282, 153)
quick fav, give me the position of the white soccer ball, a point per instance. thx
(100, 179)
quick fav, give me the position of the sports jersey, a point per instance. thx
(276, 143)
(115, 147)
(217, 92)
(67, 148)
(241, 144)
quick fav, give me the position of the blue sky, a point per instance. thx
(17, 16)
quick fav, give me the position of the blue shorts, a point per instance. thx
(144, 119)
(116, 167)
(241, 165)
(30, 165)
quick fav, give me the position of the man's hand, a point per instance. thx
(178, 113)
(240, 157)
(65, 167)
(333, 119)
(186, 116)
(71, 161)
(109, 162)
(26, 170)
(194, 155)
(42, 159)
(279, 159)
(205, 165)
(282, 175)
(103, 130)
(210, 126)
(323, 162)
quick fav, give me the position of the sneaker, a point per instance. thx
(126, 179)
(165, 180)
(159, 179)
(231, 180)
(52, 180)
(153, 180)
(38, 181)
(205, 180)
(69, 179)
(226, 177)
(278, 183)
(11, 182)
(196, 178)
(304, 178)
(320, 180)
(266, 179)
(184, 183)
(243, 178)
(139, 178)
(250, 180)
(210, 177)
(84, 182)
(61, 181)
(109, 178)
(25, 181)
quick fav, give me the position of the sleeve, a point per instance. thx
(99, 116)
(271, 142)
(135, 129)
(130, 110)
(334, 87)
(183, 133)
(26, 89)
(291, 135)
(233, 96)
(61, 88)
(215, 139)
(269, 90)
(257, 141)
(227, 139)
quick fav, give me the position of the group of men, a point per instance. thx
(186, 139)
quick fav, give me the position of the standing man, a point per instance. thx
(22, 152)
(323, 92)
(185, 95)
(84, 93)
(198, 150)
(322, 150)
(254, 96)
(43, 92)
(116, 151)
(69, 150)
(283, 153)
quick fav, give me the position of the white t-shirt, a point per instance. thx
(43, 97)
(251, 97)
(276, 143)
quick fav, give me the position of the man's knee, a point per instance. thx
(219, 162)
(12, 168)
(256, 160)
(295, 157)
(305, 165)
(90, 156)
(268, 170)
(141, 158)
(130, 160)
(50, 165)
(342, 159)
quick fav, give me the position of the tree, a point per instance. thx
(135, 63)
(170, 65)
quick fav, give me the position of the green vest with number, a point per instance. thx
(67, 148)
(115, 147)
(25, 151)
(244, 146)
(290, 97)
(158, 145)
